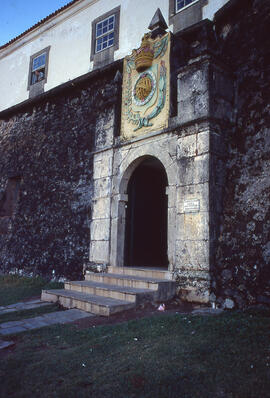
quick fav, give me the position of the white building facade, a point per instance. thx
(82, 36)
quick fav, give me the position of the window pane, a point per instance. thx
(99, 25)
(39, 62)
(105, 39)
(183, 3)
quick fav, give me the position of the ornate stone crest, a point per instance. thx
(145, 101)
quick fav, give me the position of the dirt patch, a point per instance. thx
(171, 307)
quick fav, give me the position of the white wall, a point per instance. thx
(211, 8)
(69, 35)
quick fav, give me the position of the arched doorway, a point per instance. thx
(146, 216)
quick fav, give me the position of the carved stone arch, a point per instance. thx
(136, 157)
(125, 169)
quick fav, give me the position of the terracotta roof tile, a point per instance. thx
(40, 23)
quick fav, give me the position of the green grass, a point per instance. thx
(170, 356)
(14, 288)
(181, 356)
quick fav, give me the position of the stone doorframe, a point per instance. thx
(125, 162)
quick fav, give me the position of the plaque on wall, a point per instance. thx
(146, 87)
(192, 206)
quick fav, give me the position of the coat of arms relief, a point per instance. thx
(145, 101)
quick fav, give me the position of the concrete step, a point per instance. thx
(131, 294)
(165, 289)
(87, 302)
(120, 289)
(147, 272)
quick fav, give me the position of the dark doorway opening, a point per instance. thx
(146, 217)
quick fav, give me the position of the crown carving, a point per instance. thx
(144, 55)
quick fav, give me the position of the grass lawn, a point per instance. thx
(14, 288)
(170, 355)
(162, 356)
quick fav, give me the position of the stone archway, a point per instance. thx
(123, 171)
(147, 216)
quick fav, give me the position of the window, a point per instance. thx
(105, 37)
(180, 4)
(185, 13)
(38, 71)
(38, 68)
(105, 33)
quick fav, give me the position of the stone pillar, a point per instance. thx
(101, 221)
(205, 106)
(118, 215)
(192, 239)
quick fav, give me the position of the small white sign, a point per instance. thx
(192, 206)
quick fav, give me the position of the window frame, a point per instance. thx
(45, 51)
(109, 50)
(186, 16)
(104, 34)
(185, 6)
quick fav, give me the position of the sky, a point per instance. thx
(16, 16)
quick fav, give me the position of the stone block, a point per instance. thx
(194, 295)
(101, 208)
(102, 187)
(100, 229)
(193, 94)
(103, 164)
(193, 192)
(193, 170)
(171, 193)
(99, 251)
(192, 254)
(193, 226)
(203, 142)
(114, 244)
(229, 304)
(186, 146)
(171, 234)
(118, 205)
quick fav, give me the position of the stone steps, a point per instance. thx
(141, 272)
(118, 290)
(112, 291)
(87, 302)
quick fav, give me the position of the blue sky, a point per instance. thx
(16, 16)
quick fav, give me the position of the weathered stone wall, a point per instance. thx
(46, 146)
(242, 259)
